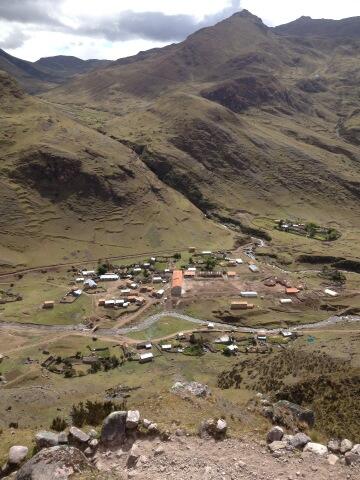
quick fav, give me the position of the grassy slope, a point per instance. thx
(81, 195)
(280, 155)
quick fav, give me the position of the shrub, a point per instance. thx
(93, 413)
(58, 424)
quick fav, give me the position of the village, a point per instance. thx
(232, 297)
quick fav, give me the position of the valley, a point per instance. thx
(188, 214)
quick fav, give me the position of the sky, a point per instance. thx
(112, 29)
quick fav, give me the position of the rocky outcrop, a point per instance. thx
(114, 429)
(45, 439)
(191, 388)
(55, 463)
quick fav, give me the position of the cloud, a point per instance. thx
(155, 26)
(15, 39)
(41, 12)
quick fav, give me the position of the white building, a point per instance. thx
(331, 293)
(146, 357)
(254, 268)
(109, 277)
(249, 294)
(285, 301)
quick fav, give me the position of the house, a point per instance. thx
(126, 304)
(210, 325)
(109, 303)
(146, 357)
(286, 334)
(157, 280)
(232, 263)
(48, 304)
(159, 293)
(192, 249)
(241, 305)
(119, 303)
(125, 292)
(90, 283)
(166, 347)
(192, 269)
(262, 338)
(225, 339)
(231, 349)
(177, 283)
(189, 274)
(285, 301)
(79, 280)
(109, 277)
(140, 301)
(206, 253)
(77, 293)
(292, 291)
(239, 261)
(249, 294)
(101, 302)
(137, 270)
(231, 274)
(254, 268)
(87, 273)
(331, 293)
(144, 345)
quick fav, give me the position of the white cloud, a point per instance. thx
(117, 28)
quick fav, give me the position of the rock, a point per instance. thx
(55, 463)
(275, 434)
(288, 439)
(114, 429)
(288, 414)
(345, 446)
(352, 458)
(132, 419)
(88, 452)
(78, 437)
(300, 440)
(146, 423)
(193, 388)
(221, 426)
(316, 448)
(93, 433)
(17, 454)
(153, 428)
(63, 438)
(159, 450)
(332, 459)
(356, 449)
(334, 445)
(133, 457)
(46, 439)
(277, 446)
(94, 443)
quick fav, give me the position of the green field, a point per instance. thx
(165, 327)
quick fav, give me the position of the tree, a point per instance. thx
(210, 264)
(311, 228)
(332, 234)
(102, 269)
(177, 256)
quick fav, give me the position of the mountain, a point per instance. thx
(237, 121)
(333, 29)
(69, 193)
(46, 73)
(238, 117)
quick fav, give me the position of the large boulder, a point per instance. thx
(213, 428)
(46, 439)
(275, 434)
(299, 440)
(191, 388)
(345, 446)
(114, 429)
(17, 454)
(55, 463)
(78, 437)
(132, 419)
(277, 446)
(316, 448)
(291, 415)
(334, 445)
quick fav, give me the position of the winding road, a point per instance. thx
(151, 320)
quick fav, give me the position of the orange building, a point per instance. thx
(177, 283)
(292, 291)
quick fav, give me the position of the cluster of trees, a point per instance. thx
(107, 363)
(333, 274)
